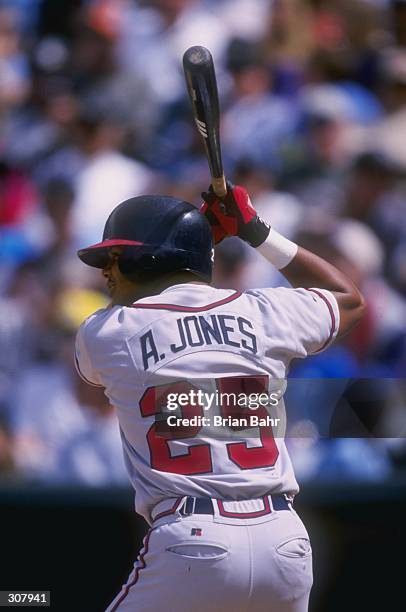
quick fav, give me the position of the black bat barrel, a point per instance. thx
(202, 87)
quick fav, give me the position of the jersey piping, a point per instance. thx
(333, 319)
(179, 308)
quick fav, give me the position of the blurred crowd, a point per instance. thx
(93, 109)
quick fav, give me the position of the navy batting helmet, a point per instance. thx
(159, 235)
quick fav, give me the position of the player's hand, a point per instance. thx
(234, 215)
(211, 209)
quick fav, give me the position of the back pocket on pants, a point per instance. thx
(198, 551)
(293, 559)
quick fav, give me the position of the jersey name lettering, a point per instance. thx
(198, 330)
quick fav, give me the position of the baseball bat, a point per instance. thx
(202, 88)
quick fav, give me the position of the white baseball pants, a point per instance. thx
(196, 564)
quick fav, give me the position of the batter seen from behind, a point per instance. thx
(224, 535)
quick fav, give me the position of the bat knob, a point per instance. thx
(197, 56)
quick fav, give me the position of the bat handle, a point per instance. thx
(219, 186)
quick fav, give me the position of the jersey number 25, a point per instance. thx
(198, 459)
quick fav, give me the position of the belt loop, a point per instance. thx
(289, 499)
(189, 506)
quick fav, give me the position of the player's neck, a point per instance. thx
(133, 292)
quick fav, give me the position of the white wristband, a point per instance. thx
(278, 250)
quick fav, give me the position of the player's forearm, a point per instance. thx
(303, 268)
(309, 270)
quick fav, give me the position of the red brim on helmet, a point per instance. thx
(158, 235)
(97, 255)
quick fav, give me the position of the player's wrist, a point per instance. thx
(255, 232)
(248, 225)
(278, 249)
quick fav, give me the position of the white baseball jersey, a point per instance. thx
(192, 336)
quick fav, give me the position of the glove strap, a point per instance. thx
(255, 232)
(278, 250)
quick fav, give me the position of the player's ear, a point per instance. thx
(116, 256)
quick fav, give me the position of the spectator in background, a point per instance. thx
(155, 37)
(386, 135)
(56, 263)
(256, 121)
(14, 69)
(43, 125)
(100, 173)
(106, 175)
(315, 156)
(103, 81)
(373, 195)
(92, 457)
(64, 431)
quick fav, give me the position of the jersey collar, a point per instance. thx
(180, 285)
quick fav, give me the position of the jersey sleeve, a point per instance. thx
(82, 359)
(324, 315)
(306, 320)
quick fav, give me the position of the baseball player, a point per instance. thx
(224, 535)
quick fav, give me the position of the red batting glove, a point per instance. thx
(234, 215)
(219, 233)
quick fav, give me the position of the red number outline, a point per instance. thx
(245, 457)
(198, 459)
